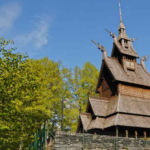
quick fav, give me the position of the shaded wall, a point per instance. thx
(74, 141)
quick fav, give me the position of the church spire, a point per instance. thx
(120, 11)
(122, 30)
(122, 43)
(121, 26)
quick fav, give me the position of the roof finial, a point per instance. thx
(120, 11)
(102, 48)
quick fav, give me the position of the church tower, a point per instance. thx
(123, 105)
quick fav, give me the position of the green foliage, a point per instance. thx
(31, 92)
(80, 83)
(23, 101)
(54, 88)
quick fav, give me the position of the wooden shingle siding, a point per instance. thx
(134, 91)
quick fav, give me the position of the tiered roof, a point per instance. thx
(118, 120)
(119, 104)
(117, 111)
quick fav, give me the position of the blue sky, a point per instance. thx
(62, 29)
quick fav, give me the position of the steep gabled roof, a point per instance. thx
(122, 35)
(140, 77)
(117, 46)
(104, 65)
(99, 106)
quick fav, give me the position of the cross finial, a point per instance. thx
(120, 11)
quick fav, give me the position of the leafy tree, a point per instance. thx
(81, 82)
(66, 83)
(31, 92)
(23, 99)
(51, 77)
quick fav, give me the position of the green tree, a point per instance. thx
(23, 99)
(31, 92)
(56, 88)
(80, 83)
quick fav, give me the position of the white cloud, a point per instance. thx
(8, 14)
(38, 37)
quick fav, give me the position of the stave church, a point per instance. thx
(123, 105)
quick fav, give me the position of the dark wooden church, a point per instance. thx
(123, 107)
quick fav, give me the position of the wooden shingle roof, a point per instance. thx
(120, 104)
(130, 51)
(86, 119)
(140, 77)
(128, 121)
(99, 106)
(120, 110)
(121, 26)
(134, 105)
(119, 120)
(112, 105)
(133, 121)
(97, 123)
(123, 36)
